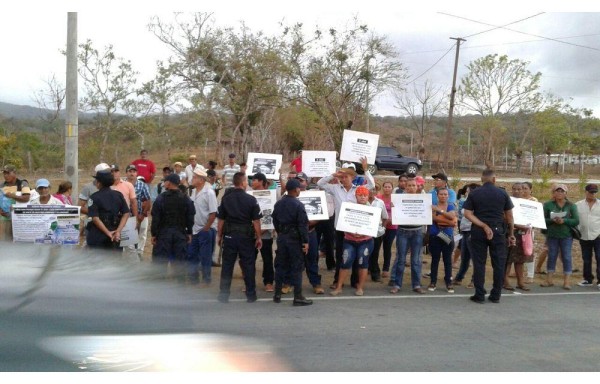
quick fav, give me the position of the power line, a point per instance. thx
(505, 25)
(524, 33)
(434, 64)
(506, 43)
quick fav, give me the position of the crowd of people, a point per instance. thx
(186, 222)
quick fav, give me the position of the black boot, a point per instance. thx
(301, 301)
(277, 295)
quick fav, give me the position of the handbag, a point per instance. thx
(527, 243)
(575, 232)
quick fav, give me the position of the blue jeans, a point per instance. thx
(589, 247)
(200, 256)
(406, 239)
(437, 248)
(465, 256)
(356, 250)
(564, 245)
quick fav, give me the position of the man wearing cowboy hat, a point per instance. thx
(340, 185)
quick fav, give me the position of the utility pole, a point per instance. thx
(452, 94)
(72, 101)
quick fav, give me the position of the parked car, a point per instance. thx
(388, 159)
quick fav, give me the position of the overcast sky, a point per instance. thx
(32, 37)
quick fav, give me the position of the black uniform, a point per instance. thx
(291, 223)
(172, 220)
(109, 206)
(237, 212)
(488, 204)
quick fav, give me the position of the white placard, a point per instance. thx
(318, 163)
(267, 163)
(46, 224)
(411, 209)
(129, 235)
(356, 145)
(359, 218)
(528, 212)
(266, 201)
(315, 204)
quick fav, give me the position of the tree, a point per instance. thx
(233, 74)
(50, 101)
(330, 72)
(496, 85)
(109, 82)
(421, 106)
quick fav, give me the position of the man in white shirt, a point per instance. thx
(205, 229)
(589, 225)
(229, 170)
(343, 190)
(189, 171)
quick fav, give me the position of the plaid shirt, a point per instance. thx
(142, 193)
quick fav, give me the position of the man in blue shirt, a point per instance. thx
(440, 180)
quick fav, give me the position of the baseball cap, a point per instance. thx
(591, 188)
(42, 183)
(9, 168)
(232, 155)
(101, 167)
(420, 180)
(302, 176)
(349, 165)
(440, 175)
(559, 186)
(130, 167)
(292, 184)
(200, 172)
(114, 167)
(173, 178)
(178, 163)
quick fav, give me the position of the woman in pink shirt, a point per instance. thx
(64, 192)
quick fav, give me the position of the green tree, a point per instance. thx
(337, 72)
(109, 83)
(496, 85)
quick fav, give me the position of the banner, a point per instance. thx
(267, 163)
(528, 212)
(266, 201)
(129, 235)
(411, 209)
(46, 224)
(315, 204)
(358, 218)
(318, 163)
(357, 144)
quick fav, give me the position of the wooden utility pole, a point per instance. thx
(71, 118)
(449, 140)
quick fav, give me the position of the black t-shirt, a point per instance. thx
(239, 207)
(488, 203)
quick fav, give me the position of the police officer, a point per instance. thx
(239, 234)
(172, 224)
(291, 224)
(489, 208)
(109, 212)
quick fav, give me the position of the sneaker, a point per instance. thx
(286, 289)
(269, 288)
(418, 290)
(427, 275)
(431, 287)
(450, 288)
(471, 285)
(584, 283)
(457, 282)
(318, 290)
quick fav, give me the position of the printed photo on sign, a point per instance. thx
(315, 204)
(266, 201)
(129, 235)
(527, 212)
(359, 219)
(318, 163)
(266, 163)
(411, 209)
(356, 145)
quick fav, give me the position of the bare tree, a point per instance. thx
(50, 101)
(421, 105)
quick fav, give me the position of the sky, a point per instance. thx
(561, 43)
